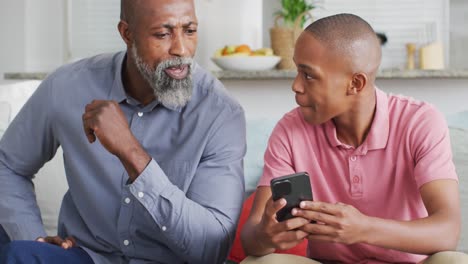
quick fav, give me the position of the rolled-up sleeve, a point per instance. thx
(201, 223)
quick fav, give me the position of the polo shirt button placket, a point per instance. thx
(356, 179)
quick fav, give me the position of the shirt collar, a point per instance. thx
(118, 94)
(377, 137)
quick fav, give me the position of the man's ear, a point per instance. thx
(357, 84)
(125, 32)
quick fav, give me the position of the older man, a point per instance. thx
(381, 170)
(154, 164)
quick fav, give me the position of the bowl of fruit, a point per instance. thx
(243, 58)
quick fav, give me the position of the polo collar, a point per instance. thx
(377, 137)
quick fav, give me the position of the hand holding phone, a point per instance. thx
(293, 188)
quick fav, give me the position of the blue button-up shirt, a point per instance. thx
(182, 208)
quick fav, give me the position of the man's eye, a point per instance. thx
(191, 31)
(161, 35)
(307, 76)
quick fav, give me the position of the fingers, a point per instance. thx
(95, 104)
(292, 236)
(327, 208)
(291, 224)
(272, 207)
(56, 240)
(89, 118)
(88, 125)
(315, 229)
(70, 241)
(315, 216)
(67, 243)
(287, 240)
(96, 113)
(281, 235)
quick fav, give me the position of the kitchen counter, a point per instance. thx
(268, 93)
(384, 74)
(289, 74)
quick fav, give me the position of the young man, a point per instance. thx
(153, 149)
(385, 188)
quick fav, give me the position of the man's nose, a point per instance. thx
(178, 45)
(297, 85)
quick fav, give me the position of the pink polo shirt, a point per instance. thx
(407, 146)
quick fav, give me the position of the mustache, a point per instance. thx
(175, 62)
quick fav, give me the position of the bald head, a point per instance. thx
(351, 38)
(132, 11)
(127, 9)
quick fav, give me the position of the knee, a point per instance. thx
(14, 252)
(447, 257)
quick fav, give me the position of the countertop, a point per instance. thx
(288, 74)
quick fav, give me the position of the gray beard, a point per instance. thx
(170, 92)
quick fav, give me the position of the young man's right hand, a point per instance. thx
(279, 235)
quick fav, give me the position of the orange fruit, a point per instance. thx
(243, 49)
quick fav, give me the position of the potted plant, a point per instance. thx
(293, 13)
(292, 9)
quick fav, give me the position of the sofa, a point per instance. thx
(50, 182)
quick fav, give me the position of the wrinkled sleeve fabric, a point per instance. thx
(201, 224)
(430, 146)
(24, 148)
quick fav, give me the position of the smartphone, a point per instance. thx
(294, 188)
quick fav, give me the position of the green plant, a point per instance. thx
(291, 9)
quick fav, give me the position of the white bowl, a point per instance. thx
(246, 63)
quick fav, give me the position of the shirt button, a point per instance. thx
(126, 242)
(356, 179)
(140, 194)
(163, 228)
(140, 114)
(353, 158)
(127, 200)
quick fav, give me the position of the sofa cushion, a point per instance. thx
(459, 141)
(458, 120)
(5, 110)
(258, 132)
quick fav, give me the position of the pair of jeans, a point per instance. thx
(33, 252)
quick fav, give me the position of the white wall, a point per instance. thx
(44, 47)
(458, 34)
(227, 22)
(33, 31)
(12, 30)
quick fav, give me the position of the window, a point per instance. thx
(92, 27)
